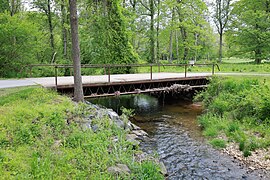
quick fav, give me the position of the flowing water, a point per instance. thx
(177, 138)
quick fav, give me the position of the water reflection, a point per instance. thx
(142, 104)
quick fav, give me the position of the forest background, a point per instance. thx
(132, 31)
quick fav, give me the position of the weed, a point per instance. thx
(218, 143)
(241, 145)
(210, 132)
(232, 127)
(246, 153)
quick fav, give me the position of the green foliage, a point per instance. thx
(210, 132)
(218, 143)
(239, 109)
(249, 32)
(148, 171)
(4, 6)
(108, 42)
(41, 138)
(18, 39)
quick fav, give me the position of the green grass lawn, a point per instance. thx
(7, 91)
(232, 65)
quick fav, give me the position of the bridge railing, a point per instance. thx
(107, 68)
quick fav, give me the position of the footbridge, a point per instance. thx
(146, 78)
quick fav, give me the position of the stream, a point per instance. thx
(176, 137)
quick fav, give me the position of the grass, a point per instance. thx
(7, 91)
(232, 65)
(234, 60)
(41, 138)
(237, 108)
(218, 143)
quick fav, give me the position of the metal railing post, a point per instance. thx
(109, 74)
(185, 70)
(56, 74)
(31, 71)
(213, 69)
(105, 70)
(151, 72)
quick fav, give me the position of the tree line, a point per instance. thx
(132, 31)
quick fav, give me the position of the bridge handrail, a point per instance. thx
(109, 66)
(114, 65)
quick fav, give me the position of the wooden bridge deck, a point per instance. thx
(62, 82)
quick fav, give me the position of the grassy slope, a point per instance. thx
(40, 139)
(238, 110)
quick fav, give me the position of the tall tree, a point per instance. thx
(4, 6)
(109, 39)
(11, 6)
(46, 7)
(19, 42)
(249, 29)
(221, 17)
(64, 23)
(78, 90)
(171, 38)
(150, 7)
(183, 26)
(158, 29)
(14, 6)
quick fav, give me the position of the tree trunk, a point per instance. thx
(171, 47)
(133, 40)
(49, 15)
(196, 45)
(152, 35)
(183, 34)
(220, 46)
(184, 37)
(64, 29)
(171, 38)
(158, 24)
(14, 7)
(78, 90)
(258, 56)
(177, 46)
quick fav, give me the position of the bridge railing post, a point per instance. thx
(213, 69)
(185, 70)
(105, 70)
(31, 71)
(55, 76)
(151, 72)
(109, 74)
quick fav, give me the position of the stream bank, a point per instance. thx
(176, 137)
